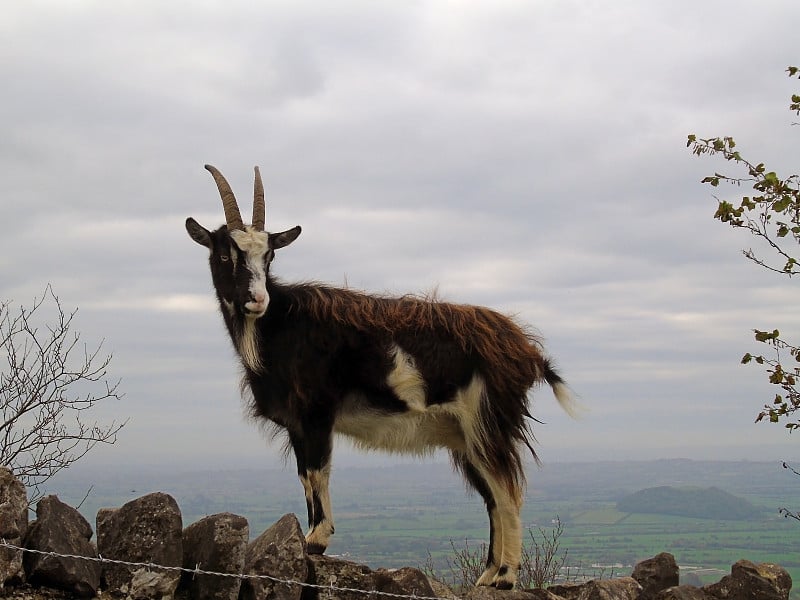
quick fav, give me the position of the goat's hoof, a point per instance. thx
(502, 584)
(505, 578)
(487, 577)
(313, 548)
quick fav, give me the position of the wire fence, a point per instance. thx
(330, 588)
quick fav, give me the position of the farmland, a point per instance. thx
(396, 516)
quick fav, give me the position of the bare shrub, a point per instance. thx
(48, 383)
(541, 563)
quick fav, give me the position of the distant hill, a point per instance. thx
(703, 503)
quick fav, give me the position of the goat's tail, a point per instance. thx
(561, 390)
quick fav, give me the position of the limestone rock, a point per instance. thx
(442, 590)
(13, 525)
(489, 593)
(336, 572)
(411, 581)
(568, 591)
(747, 580)
(623, 588)
(216, 543)
(682, 592)
(145, 530)
(62, 529)
(150, 584)
(343, 575)
(279, 552)
(656, 574)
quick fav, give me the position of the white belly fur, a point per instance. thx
(419, 430)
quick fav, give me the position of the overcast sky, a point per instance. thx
(529, 156)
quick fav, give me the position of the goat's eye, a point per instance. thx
(224, 257)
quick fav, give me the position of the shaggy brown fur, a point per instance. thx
(511, 356)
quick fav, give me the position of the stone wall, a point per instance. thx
(143, 552)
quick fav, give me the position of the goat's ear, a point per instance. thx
(284, 238)
(198, 233)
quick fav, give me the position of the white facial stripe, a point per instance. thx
(255, 245)
(258, 282)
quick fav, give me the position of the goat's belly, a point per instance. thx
(410, 432)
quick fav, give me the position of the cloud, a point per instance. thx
(526, 156)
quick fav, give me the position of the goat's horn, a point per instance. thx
(232, 216)
(258, 202)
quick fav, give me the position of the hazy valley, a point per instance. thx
(396, 515)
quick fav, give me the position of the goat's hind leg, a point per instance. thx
(505, 527)
(314, 469)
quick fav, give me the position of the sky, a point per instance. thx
(528, 156)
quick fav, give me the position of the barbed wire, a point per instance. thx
(198, 571)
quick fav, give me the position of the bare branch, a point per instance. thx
(48, 380)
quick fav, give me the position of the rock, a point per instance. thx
(764, 581)
(13, 525)
(442, 590)
(542, 594)
(330, 571)
(412, 582)
(279, 552)
(682, 592)
(623, 588)
(489, 593)
(656, 574)
(145, 530)
(343, 575)
(568, 591)
(150, 584)
(62, 529)
(216, 543)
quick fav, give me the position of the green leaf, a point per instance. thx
(765, 336)
(782, 204)
(747, 358)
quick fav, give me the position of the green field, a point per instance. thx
(398, 516)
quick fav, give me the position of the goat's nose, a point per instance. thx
(259, 297)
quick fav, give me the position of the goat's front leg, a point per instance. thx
(312, 450)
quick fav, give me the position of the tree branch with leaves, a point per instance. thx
(49, 382)
(771, 214)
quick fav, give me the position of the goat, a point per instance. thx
(403, 374)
